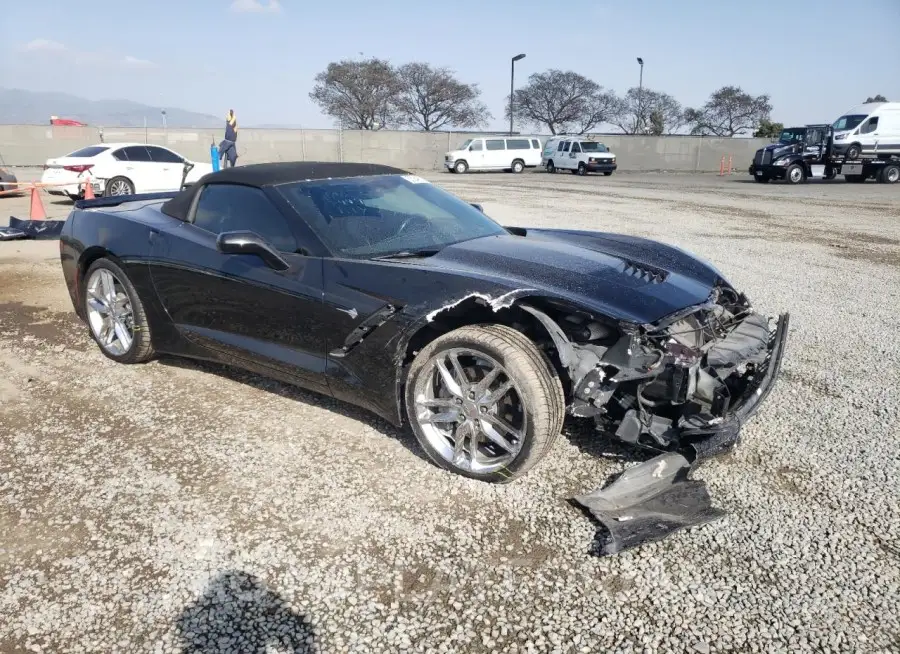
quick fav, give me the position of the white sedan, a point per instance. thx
(120, 169)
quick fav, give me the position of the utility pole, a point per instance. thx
(512, 81)
(640, 124)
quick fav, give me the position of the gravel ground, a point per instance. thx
(184, 507)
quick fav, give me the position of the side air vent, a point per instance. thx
(645, 272)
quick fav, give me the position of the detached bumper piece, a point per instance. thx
(654, 499)
(36, 229)
(648, 502)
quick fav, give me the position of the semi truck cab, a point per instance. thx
(800, 152)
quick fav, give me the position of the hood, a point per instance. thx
(600, 155)
(623, 277)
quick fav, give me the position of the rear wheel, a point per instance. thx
(795, 174)
(484, 402)
(518, 166)
(551, 168)
(119, 186)
(854, 151)
(115, 314)
(890, 174)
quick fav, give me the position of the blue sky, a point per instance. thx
(259, 57)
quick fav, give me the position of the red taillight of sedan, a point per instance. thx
(78, 169)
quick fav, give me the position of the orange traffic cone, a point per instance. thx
(37, 207)
(88, 189)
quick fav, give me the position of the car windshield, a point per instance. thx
(792, 135)
(91, 151)
(591, 146)
(845, 123)
(364, 217)
(465, 144)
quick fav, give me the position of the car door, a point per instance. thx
(168, 168)
(868, 135)
(475, 155)
(574, 155)
(564, 159)
(235, 305)
(139, 168)
(495, 154)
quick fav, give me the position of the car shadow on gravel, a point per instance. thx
(581, 433)
(297, 394)
(238, 613)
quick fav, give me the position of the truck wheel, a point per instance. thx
(550, 167)
(890, 174)
(795, 174)
(853, 152)
(461, 167)
(582, 169)
(518, 166)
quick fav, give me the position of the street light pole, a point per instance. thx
(641, 95)
(512, 78)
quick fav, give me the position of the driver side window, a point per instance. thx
(476, 146)
(231, 208)
(870, 126)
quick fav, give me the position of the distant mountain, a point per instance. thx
(20, 107)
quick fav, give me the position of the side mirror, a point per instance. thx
(471, 147)
(250, 243)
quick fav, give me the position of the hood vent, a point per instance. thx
(647, 273)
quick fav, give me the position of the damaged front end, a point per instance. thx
(683, 386)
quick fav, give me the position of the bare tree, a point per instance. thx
(431, 98)
(363, 94)
(561, 101)
(729, 111)
(645, 111)
(877, 98)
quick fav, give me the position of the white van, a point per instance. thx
(868, 129)
(578, 154)
(515, 153)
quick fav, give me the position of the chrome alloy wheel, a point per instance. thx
(109, 312)
(469, 409)
(118, 187)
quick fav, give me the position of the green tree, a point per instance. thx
(877, 98)
(768, 129)
(729, 111)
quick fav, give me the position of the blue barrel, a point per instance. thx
(214, 155)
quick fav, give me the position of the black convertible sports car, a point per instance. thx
(371, 285)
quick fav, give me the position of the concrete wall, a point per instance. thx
(31, 145)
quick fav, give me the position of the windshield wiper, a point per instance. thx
(409, 254)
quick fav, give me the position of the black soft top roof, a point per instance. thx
(271, 174)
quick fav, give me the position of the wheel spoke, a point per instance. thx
(108, 287)
(459, 372)
(122, 334)
(492, 435)
(502, 425)
(473, 446)
(482, 386)
(447, 377)
(459, 442)
(446, 416)
(97, 303)
(498, 394)
(436, 403)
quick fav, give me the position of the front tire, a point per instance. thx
(115, 314)
(484, 402)
(582, 169)
(460, 166)
(795, 174)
